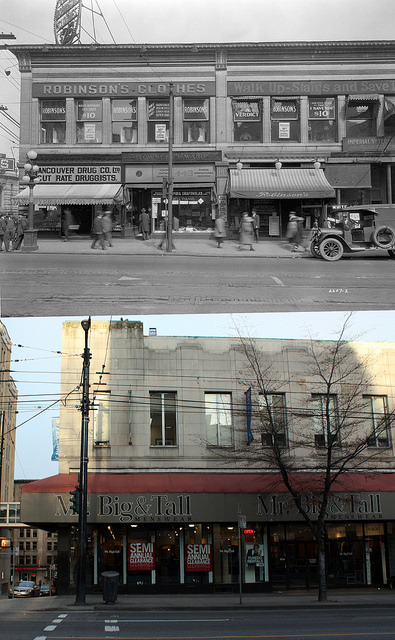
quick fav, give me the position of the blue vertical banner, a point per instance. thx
(55, 440)
(248, 396)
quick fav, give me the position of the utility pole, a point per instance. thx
(83, 476)
(169, 234)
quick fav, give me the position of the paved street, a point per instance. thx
(134, 277)
(348, 614)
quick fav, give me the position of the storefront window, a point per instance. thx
(226, 554)
(110, 550)
(247, 120)
(255, 569)
(52, 121)
(158, 116)
(141, 558)
(345, 554)
(124, 121)
(167, 556)
(285, 119)
(376, 421)
(163, 418)
(322, 120)
(196, 120)
(361, 120)
(89, 121)
(198, 554)
(218, 410)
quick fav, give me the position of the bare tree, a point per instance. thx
(326, 431)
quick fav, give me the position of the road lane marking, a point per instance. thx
(278, 281)
(50, 627)
(112, 628)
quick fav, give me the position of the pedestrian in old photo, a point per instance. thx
(294, 234)
(3, 225)
(144, 224)
(97, 232)
(9, 232)
(20, 228)
(107, 227)
(246, 231)
(219, 231)
(66, 222)
(256, 224)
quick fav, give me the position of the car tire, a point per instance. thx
(383, 237)
(315, 249)
(331, 249)
(391, 253)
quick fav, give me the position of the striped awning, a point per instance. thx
(363, 99)
(71, 194)
(279, 184)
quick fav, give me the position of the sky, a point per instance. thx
(159, 21)
(36, 362)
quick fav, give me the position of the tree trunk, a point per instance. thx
(322, 594)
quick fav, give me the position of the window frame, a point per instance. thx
(320, 429)
(203, 123)
(386, 442)
(50, 125)
(221, 440)
(97, 119)
(326, 115)
(102, 411)
(154, 120)
(164, 441)
(126, 120)
(281, 439)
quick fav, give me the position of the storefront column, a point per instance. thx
(182, 557)
(389, 183)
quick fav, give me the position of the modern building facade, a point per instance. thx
(273, 126)
(171, 503)
(9, 510)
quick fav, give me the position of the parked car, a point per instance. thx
(45, 590)
(25, 589)
(355, 229)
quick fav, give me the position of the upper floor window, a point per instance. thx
(163, 418)
(158, 116)
(247, 120)
(389, 116)
(322, 120)
(52, 121)
(273, 418)
(102, 420)
(196, 120)
(124, 121)
(285, 119)
(376, 420)
(89, 121)
(218, 411)
(325, 419)
(361, 116)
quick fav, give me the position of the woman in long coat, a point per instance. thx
(219, 231)
(246, 230)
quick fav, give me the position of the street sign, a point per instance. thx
(7, 164)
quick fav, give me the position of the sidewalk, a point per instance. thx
(184, 246)
(231, 601)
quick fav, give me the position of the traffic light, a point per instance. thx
(5, 543)
(75, 500)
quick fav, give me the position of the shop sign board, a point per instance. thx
(309, 87)
(120, 89)
(154, 174)
(185, 157)
(198, 557)
(59, 174)
(322, 109)
(141, 556)
(369, 143)
(7, 164)
(201, 507)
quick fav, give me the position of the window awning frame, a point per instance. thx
(279, 184)
(47, 194)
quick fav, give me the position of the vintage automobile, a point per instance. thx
(25, 589)
(353, 229)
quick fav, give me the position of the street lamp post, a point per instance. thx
(31, 178)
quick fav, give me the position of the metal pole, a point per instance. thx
(83, 476)
(240, 555)
(169, 234)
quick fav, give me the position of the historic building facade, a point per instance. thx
(275, 126)
(171, 504)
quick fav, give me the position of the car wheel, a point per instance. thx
(331, 249)
(391, 253)
(383, 237)
(315, 249)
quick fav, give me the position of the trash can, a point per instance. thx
(110, 586)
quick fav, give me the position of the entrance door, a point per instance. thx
(168, 557)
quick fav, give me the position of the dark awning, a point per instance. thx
(71, 194)
(279, 184)
(363, 99)
(349, 176)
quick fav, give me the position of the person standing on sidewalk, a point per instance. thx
(3, 225)
(219, 231)
(246, 231)
(144, 224)
(256, 224)
(107, 227)
(20, 227)
(9, 233)
(97, 232)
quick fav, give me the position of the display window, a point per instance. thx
(124, 121)
(158, 118)
(52, 121)
(198, 556)
(89, 121)
(247, 120)
(226, 554)
(196, 120)
(322, 124)
(285, 119)
(141, 555)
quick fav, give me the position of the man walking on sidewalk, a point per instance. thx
(97, 232)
